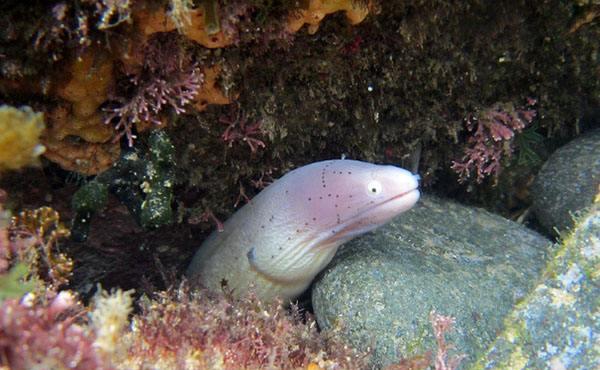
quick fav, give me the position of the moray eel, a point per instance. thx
(278, 242)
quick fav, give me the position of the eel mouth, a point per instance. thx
(391, 207)
(398, 196)
(372, 217)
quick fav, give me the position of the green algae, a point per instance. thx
(142, 181)
(14, 283)
(158, 183)
(90, 198)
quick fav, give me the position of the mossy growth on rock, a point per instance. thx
(556, 325)
(143, 181)
(156, 209)
(401, 80)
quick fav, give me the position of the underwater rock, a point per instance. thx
(556, 326)
(568, 182)
(459, 261)
(142, 181)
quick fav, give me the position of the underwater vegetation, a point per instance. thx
(19, 143)
(44, 326)
(142, 181)
(167, 78)
(391, 82)
(174, 329)
(30, 254)
(47, 335)
(490, 131)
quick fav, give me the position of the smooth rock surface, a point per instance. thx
(568, 182)
(558, 325)
(460, 261)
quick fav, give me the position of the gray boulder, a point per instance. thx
(460, 261)
(568, 182)
(558, 325)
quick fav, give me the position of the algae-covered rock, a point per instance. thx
(20, 131)
(143, 181)
(155, 210)
(568, 182)
(88, 199)
(558, 325)
(460, 261)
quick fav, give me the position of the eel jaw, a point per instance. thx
(369, 219)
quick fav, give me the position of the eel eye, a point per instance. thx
(374, 188)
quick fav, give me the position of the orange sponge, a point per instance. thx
(77, 137)
(318, 9)
(152, 21)
(210, 93)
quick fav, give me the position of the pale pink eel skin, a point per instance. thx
(278, 242)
